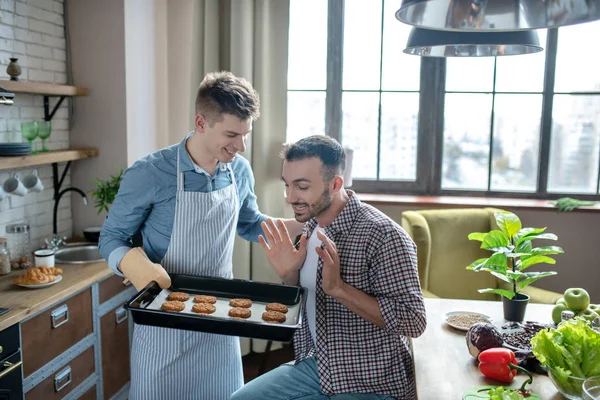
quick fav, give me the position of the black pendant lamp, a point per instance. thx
(432, 43)
(496, 15)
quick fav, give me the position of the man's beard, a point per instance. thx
(316, 208)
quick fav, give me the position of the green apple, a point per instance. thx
(561, 301)
(557, 312)
(595, 308)
(588, 314)
(577, 299)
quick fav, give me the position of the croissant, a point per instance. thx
(34, 277)
(50, 271)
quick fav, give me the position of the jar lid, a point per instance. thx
(17, 228)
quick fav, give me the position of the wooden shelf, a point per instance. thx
(45, 89)
(46, 158)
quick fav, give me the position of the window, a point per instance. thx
(518, 126)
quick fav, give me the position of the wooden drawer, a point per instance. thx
(111, 287)
(114, 332)
(55, 330)
(65, 379)
(89, 395)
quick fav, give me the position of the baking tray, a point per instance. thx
(145, 307)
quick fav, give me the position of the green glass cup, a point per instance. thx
(44, 133)
(29, 131)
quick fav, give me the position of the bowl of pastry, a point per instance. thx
(39, 277)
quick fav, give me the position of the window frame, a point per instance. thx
(430, 134)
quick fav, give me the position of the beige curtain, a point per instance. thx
(250, 39)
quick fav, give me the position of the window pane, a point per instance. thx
(470, 74)
(575, 144)
(515, 149)
(362, 44)
(399, 124)
(305, 115)
(524, 73)
(400, 71)
(577, 61)
(307, 54)
(359, 131)
(466, 141)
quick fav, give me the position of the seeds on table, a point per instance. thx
(465, 320)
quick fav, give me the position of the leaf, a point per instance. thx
(497, 259)
(548, 236)
(508, 223)
(502, 292)
(475, 265)
(532, 277)
(526, 263)
(526, 231)
(514, 276)
(495, 240)
(547, 250)
(477, 236)
(502, 277)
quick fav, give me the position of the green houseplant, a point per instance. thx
(106, 190)
(512, 254)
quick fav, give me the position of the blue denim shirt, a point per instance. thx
(146, 202)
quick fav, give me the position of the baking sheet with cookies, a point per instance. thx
(222, 309)
(146, 307)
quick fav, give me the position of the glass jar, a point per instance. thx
(4, 257)
(19, 246)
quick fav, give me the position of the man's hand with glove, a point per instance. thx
(140, 271)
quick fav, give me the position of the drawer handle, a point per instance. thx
(10, 367)
(62, 379)
(121, 315)
(60, 312)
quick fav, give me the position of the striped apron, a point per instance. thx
(177, 364)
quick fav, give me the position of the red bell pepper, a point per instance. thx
(501, 364)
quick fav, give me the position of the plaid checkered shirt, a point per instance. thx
(354, 355)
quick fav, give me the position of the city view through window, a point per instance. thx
(493, 110)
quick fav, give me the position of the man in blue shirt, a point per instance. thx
(188, 200)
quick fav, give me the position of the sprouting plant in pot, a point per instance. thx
(512, 254)
(106, 190)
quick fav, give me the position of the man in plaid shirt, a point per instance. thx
(364, 297)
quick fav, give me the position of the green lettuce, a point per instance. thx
(573, 349)
(504, 394)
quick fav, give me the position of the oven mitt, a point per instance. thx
(137, 267)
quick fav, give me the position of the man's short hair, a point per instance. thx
(325, 148)
(224, 93)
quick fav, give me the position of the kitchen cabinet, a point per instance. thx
(52, 332)
(68, 377)
(114, 338)
(74, 340)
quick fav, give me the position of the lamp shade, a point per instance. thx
(496, 15)
(431, 43)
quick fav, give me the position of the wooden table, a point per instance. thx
(444, 368)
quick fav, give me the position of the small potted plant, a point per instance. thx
(104, 195)
(513, 253)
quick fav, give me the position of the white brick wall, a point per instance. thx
(33, 32)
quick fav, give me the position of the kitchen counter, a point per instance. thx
(24, 302)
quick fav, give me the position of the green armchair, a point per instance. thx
(444, 251)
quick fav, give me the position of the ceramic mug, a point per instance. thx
(44, 258)
(14, 186)
(33, 183)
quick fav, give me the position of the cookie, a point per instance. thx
(273, 316)
(244, 303)
(277, 307)
(203, 308)
(173, 306)
(240, 312)
(178, 296)
(205, 299)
